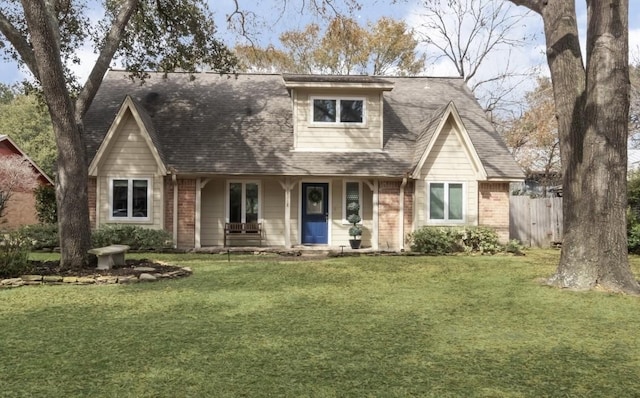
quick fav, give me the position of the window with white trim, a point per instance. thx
(352, 192)
(130, 198)
(446, 201)
(338, 110)
(243, 201)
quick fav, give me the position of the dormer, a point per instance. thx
(337, 113)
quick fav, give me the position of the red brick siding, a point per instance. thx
(389, 207)
(19, 211)
(409, 191)
(168, 205)
(493, 207)
(186, 212)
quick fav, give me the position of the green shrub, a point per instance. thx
(480, 239)
(14, 255)
(435, 240)
(42, 236)
(46, 204)
(633, 238)
(444, 240)
(514, 246)
(138, 238)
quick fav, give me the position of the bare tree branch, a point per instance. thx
(111, 43)
(19, 43)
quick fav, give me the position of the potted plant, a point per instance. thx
(354, 218)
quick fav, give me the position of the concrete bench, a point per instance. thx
(109, 256)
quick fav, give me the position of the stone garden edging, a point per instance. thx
(147, 275)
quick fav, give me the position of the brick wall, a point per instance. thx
(168, 205)
(493, 207)
(389, 206)
(91, 194)
(409, 191)
(186, 211)
(20, 210)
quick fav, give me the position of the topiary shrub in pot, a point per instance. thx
(354, 218)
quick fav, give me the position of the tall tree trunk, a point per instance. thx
(592, 108)
(71, 182)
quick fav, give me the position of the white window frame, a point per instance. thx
(129, 216)
(338, 122)
(344, 200)
(243, 198)
(446, 219)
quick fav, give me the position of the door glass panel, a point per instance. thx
(315, 200)
(235, 202)
(251, 212)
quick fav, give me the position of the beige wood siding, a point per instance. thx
(448, 161)
(272, 208)
(339, 226)
(129, 156)
(310, 136)
(212, 216)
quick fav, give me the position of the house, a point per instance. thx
(189, 153)
(21, 208)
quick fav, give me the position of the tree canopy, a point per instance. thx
(44, 36)
(344, 47)
(26, 120)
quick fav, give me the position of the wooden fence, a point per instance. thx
(535, 222)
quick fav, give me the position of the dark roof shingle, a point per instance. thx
(242, 124)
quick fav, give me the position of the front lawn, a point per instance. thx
(263, 326)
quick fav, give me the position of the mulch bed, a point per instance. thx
(53, 268)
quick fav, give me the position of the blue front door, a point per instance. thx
(315, 213)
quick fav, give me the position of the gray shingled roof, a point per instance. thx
(242, 124)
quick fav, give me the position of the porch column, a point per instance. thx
(200, 184)
(174, 181)
(374, 234)
(287, 185)
(198, 207)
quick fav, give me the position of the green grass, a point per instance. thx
(345, 327)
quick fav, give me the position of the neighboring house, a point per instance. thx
(188, 153)
(21, 209)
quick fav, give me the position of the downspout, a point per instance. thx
(174, 179)
(401, 216)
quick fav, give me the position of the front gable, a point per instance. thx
(448, 151)
(128, 147)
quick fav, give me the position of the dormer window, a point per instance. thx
(338, 110)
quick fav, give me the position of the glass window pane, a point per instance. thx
(455, 201)
(436, 201)
(251, 207)
(324, 110)
(235, 202)
(351, 111)
(352, 194)
(315, 200)
(120, 195)
(140, 199)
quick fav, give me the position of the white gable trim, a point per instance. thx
(452, 112)
(127, 105)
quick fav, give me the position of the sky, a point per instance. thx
(271, 20)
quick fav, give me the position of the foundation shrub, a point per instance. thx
(138, 238)
(14, 254)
